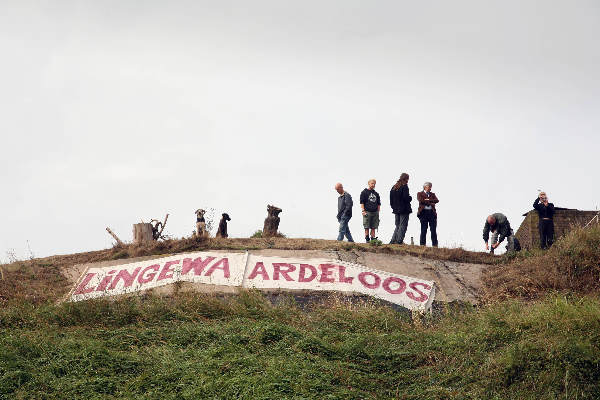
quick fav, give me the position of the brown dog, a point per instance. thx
(201, 223)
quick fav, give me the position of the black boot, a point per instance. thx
(367, 238)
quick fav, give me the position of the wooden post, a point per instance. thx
(119, 242)
(142, 233)
(163, 225)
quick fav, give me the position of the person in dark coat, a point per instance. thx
(546, 225)
(427, 214)
(400, 202)
(344, 212)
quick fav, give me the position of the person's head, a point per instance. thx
(339, 188)
(491, 219)
(543, 196)
(371, 184)
(427, 186)
(402, 181)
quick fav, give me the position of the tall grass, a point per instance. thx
(572, 264)
(198, 346)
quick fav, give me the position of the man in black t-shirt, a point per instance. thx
(370, 204)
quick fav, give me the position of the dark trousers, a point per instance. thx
(546, 228)
(427, 217)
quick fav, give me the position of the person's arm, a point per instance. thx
(550, 211)
(405, 196)
(348, 204)
(536, 204)
(422, 199)
(486, 234)
(378, 203)
(433, 199)
(363, 200)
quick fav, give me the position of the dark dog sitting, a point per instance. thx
(222, 231)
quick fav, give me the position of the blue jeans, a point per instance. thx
(400, 231)
(344, 230)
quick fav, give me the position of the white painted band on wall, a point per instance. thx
(254, 271)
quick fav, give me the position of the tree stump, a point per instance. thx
(142, 233)
(271, 222)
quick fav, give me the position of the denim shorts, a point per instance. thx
(371, 220)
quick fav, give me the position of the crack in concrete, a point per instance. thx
(469, 289)
(349, 256)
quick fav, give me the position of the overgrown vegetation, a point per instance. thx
(201, 346)
(375, 242)
(571, 265)
(197, 346)
(259, 234)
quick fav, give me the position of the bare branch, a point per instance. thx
(119, 242)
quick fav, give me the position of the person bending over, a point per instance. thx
(498, 224)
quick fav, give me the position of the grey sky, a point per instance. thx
(116, 111)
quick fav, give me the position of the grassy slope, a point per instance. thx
(197, 346)
(200, 347)
(572, 265)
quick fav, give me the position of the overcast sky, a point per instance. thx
(116, 111)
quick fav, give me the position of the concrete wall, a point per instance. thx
(564, 221)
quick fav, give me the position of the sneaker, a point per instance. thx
(367, 239)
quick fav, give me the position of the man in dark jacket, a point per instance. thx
(546, 225)
(344, 212)
(400, 202)
(498, 224)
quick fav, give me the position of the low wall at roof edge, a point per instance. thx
(383, 276)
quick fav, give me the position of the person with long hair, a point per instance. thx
(400, 202)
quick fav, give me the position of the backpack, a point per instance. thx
(517, 244)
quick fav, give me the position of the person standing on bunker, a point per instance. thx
(498, 224)
(546, 225)
(400, 202)
(427, 214)
(370, 203)
(344, 212)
